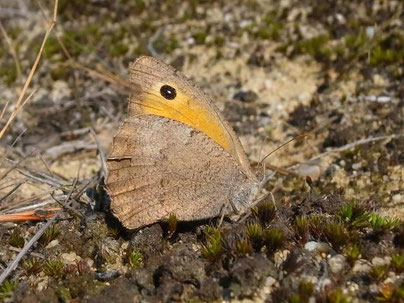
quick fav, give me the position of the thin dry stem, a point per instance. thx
(20, 103)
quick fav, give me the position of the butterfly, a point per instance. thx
(174, 153)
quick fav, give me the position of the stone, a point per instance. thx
(337, 263)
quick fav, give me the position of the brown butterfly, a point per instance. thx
(175, 153)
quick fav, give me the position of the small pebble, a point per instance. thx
(310, 246)
(361, 266)
(320, 247)
(246, 96)
(70, 258)
(53, 243)
(356, 166)
(337, 263)
(377, 261)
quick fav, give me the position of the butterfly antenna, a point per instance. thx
(285, 143)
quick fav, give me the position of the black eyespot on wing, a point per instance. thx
(168, 92)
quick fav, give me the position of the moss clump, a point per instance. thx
(316, 225)
(337, 296)
(273, 239)
(8, 72)
(353, 253)
(355, 215)
(397, 263)
(254, 233)
(213, 248)
(16, 239)
(118, 49)
(336, 233)
(172, 223)
(6, 289)
(379, 272)
(54, 268)
(166, 45)
(32, 266)
(316, 47)
(219, 41)
(265, 212)
(380, 223)
(243, 247)
(305, 291)
(49, 235)
(134, 258)
(200, 37)
(301, 227)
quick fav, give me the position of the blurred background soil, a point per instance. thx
(275, 69)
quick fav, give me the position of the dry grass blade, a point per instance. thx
(107, 76)
(4, 110)
(10, 192)
(101, 153)
(20, 102)
(352, 145)
(26, 204)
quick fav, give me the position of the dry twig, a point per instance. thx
(21, 102)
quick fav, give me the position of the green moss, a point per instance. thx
(306, 289)
(380, 55)
(64, 294)
(243, 247)
(379, 272)
(301, 227)
(139, 7)
(336, 234)
(134, 258)
(51, 47)
(59, 72)
(118, 49)
(8, 72)
(271, 29)
(265, 212)
(219, 41)
(353, 253)
(172, 223)
(54, 268)
(32, 266)
(166, 45)
(355, 215)
(13, 32)
(49, 235)
(337, 296)
(379, 222)
(77, 43)
(6, 289)
(316, 225)
(255, 233)
(200, 37)
(356, 42)
(16, 239)
(397, 263)
(273, 239)
(213, 248)
(316, 47)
